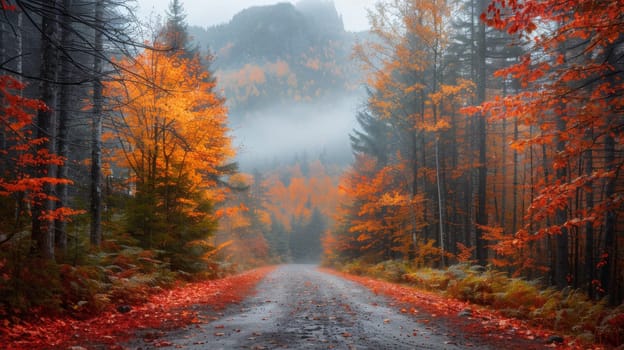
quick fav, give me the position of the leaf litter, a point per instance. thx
(171, 309)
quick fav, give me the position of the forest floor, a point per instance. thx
(293, 307)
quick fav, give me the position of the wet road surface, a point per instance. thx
(299, 307)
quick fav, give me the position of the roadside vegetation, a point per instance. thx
(568, 312)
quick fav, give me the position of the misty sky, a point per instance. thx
(281, 132)
(210, 12)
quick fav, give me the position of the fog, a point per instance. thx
(208, 13)
(282, 133)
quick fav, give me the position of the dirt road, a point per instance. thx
(299, 307)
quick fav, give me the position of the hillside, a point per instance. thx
(280, 54)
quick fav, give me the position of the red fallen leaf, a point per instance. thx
(162, 344)
(110, 328)
(220, 326)
(346, 334)
(219, 334)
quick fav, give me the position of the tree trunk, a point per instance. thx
(3, 59)
(96, 133)
(3, 44)
(504, 163)
(590, 264)
(514, 219)
(62, 189)
(481, 217)
(440, 201)
(413, 215)
(42, 233)
(607, 272)
(562, 264)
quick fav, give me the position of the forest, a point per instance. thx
(485, 162)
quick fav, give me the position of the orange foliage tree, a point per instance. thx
(172, 134)
(293, 194)
(244, 222)
(376, 217)
(410, 120)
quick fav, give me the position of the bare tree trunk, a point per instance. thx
(42, 228)
(440, 201)
(20, 45)
(607, 272)
(481, 217)
(590, 264)
(96, 132)
(414, 193)
(62, 189)
(3, 60)
(514, 220)
(504, 163)
(562, 264)
(3, 44)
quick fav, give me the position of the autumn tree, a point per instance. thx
(572, 91)
(173, 138)
(64, 36)
(21, 186)
(245, 222)
(415, 97)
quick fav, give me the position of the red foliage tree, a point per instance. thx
(20, 189)
(573, 80)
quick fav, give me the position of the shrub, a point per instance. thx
(27, 285)
(355, 267)
(133, 290)
(429, 279)
(611, 328)
(518, 298)
(390, 270)
(82, 289)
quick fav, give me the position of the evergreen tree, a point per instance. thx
(176, 36)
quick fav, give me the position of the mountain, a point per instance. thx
(281, 54)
